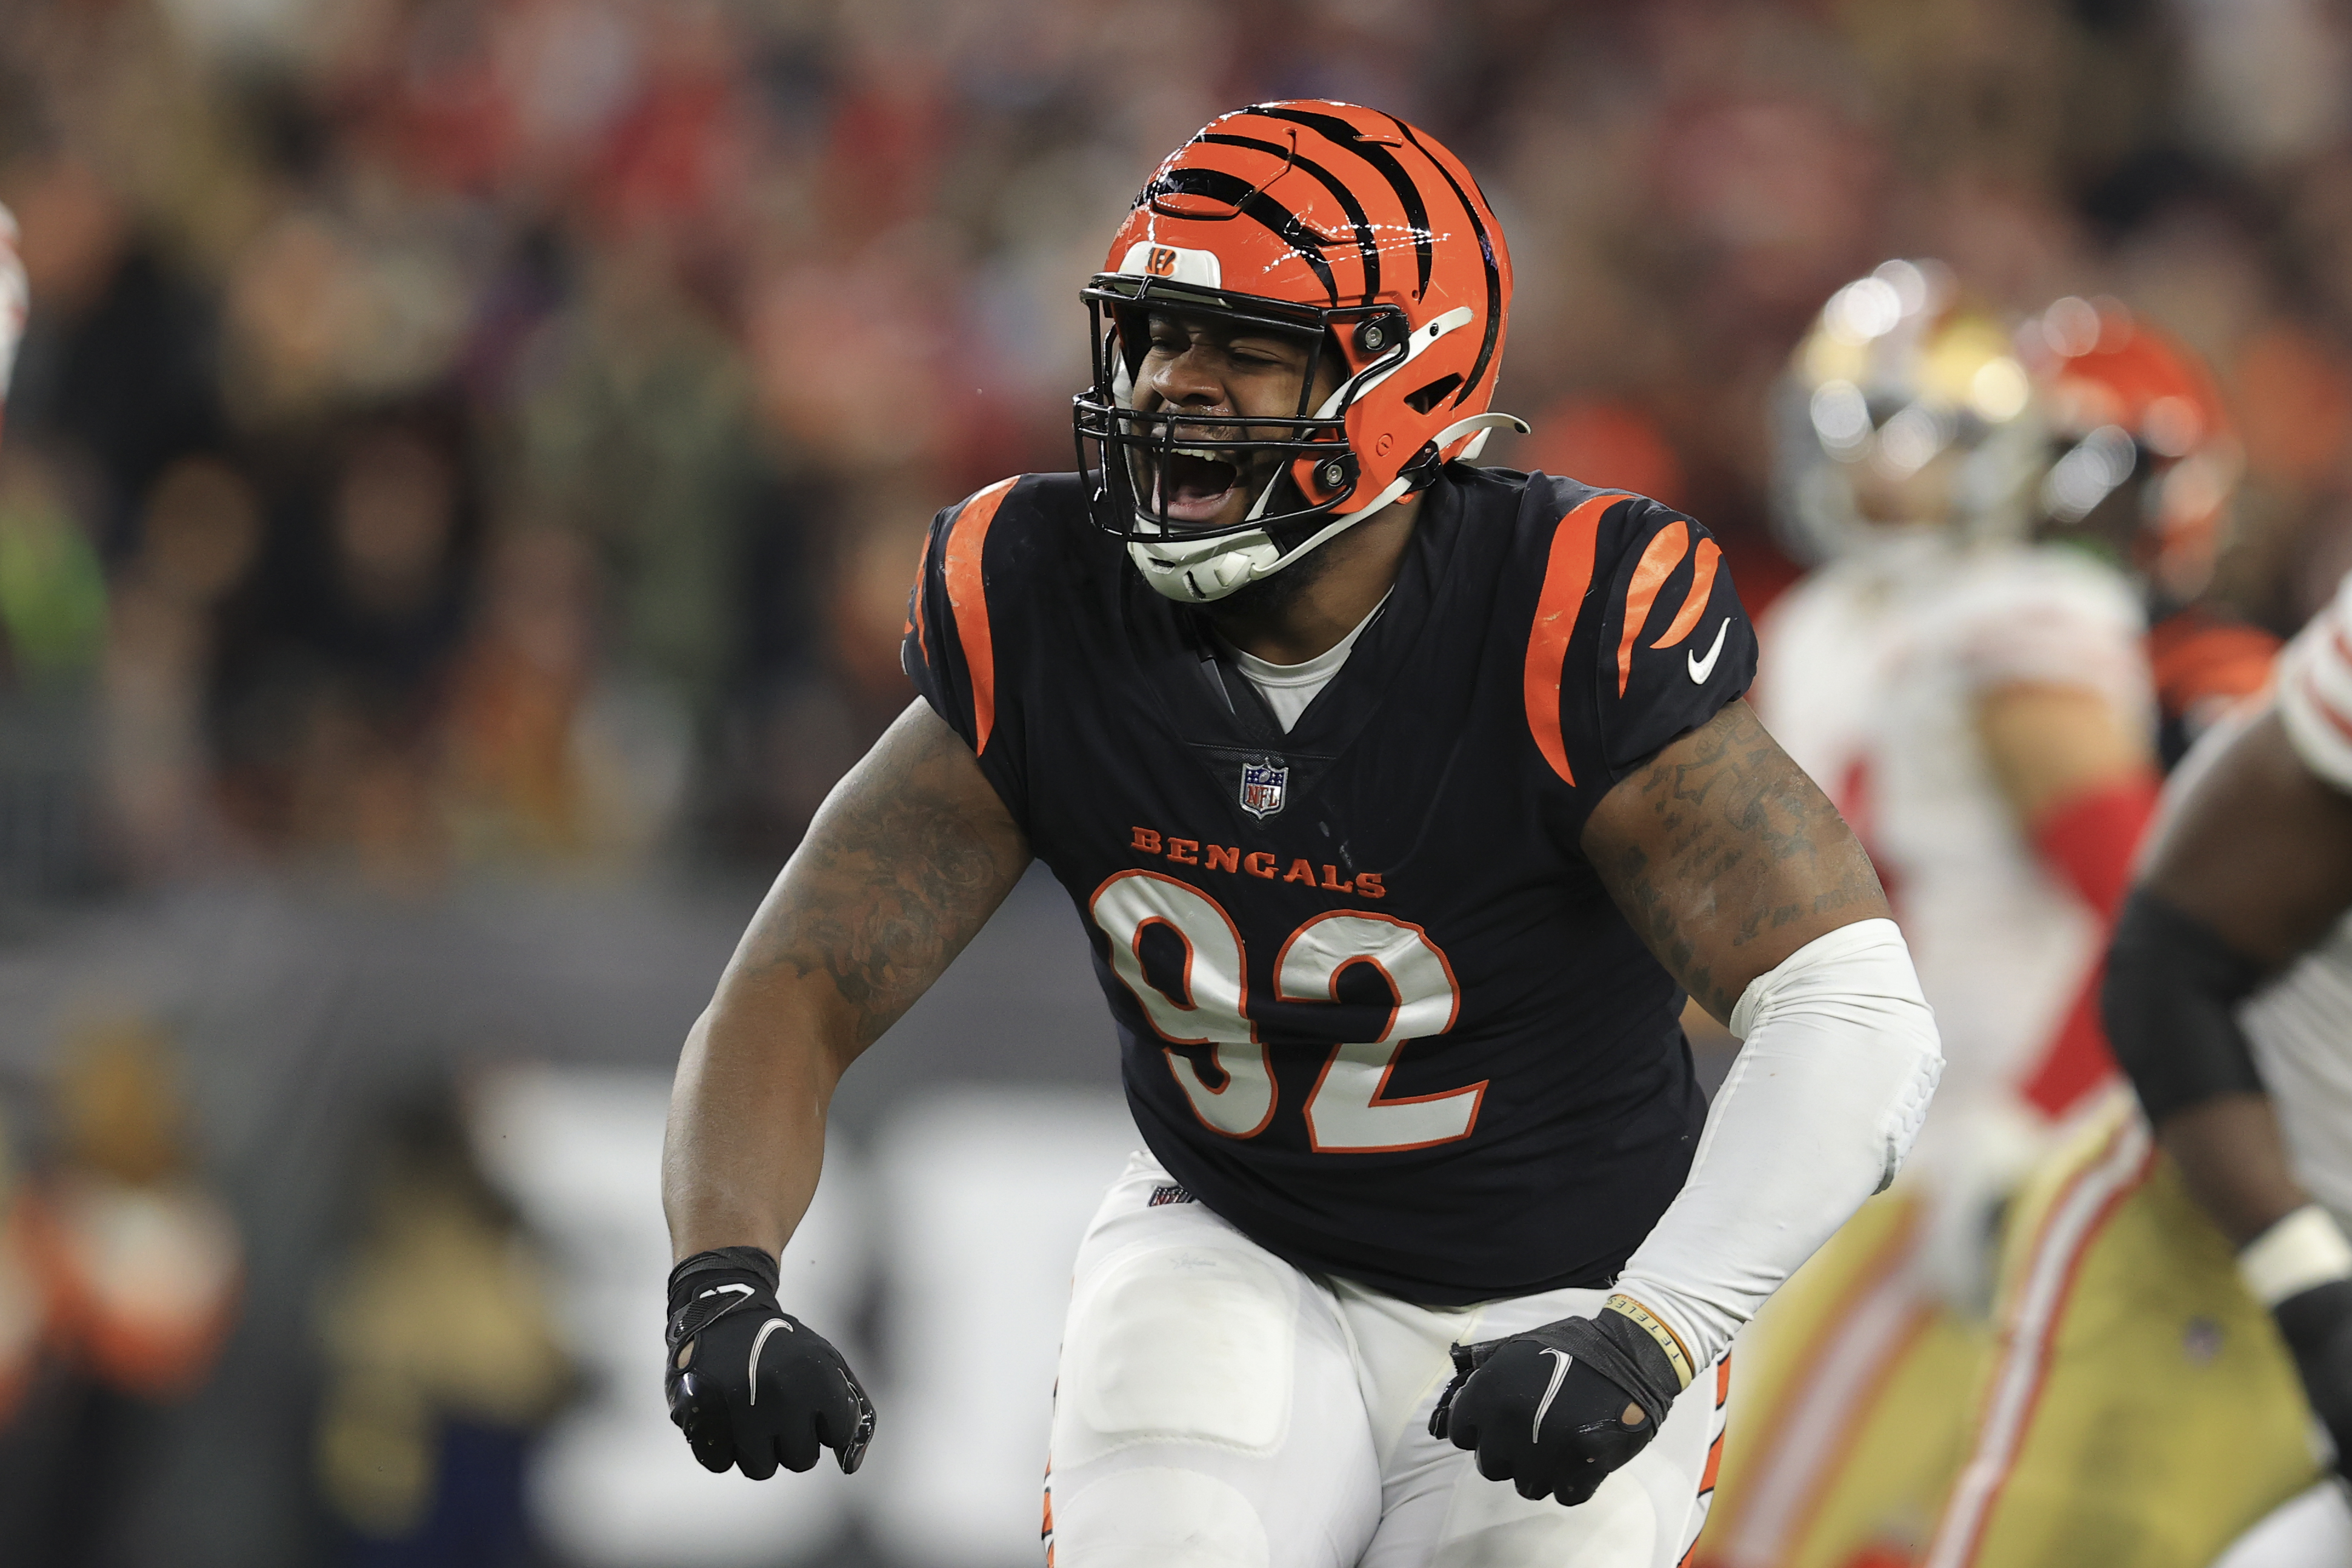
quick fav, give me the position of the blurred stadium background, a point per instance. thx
(455, 506)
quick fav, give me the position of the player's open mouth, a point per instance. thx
(1192, 485)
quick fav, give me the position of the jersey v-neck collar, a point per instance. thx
(1210, 705)
(1315, 672)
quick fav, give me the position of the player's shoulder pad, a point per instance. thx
(1629, 589)
(1023, 530)
(1021, 503)
(2046, 579)
(992, 562)
(2314, 690)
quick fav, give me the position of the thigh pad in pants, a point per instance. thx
(1185, 1341)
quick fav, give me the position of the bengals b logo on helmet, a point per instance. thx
(1162, 263)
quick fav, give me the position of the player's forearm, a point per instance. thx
(746, 1135)
(906, 859)
(1838, 1061)
(2233, 1159)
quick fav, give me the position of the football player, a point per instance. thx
(2145, 461)
(1976, 698)
(1402, 801)
(2177, 1349)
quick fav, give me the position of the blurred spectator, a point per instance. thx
(442, 1358)
(137, 1268)
(117, 375)
(24, 1312)
(546, 758)
(198, 535)
(52, 589)
(338, 684)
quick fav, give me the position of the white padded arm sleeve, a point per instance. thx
(1833, 1080)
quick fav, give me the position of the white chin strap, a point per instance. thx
(1209, 570)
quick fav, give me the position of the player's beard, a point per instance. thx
(1268, 600)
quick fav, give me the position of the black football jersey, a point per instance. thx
(1374, 1007)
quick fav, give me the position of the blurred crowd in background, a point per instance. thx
(491, 438)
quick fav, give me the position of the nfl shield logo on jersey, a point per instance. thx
(1265, 781)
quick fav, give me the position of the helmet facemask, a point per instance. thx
(1299, 466)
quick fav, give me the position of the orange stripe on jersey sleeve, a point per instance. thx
(1702, 589)
(1665, 552)
(1567, 575)
(968, 597)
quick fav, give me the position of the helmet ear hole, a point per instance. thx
(1430, 396)
(1332, 473)
(1383, 332)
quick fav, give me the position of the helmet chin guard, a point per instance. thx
(1204, 570)
(1341, 228)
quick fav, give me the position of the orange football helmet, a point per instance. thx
(2139, 419)
(1342, 226)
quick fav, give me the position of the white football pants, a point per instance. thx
(1219, 1408)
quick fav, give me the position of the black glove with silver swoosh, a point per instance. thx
(1543, 1409)
(750, 1385)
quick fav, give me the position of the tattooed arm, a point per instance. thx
(1754, 895)
(1727, 859)
(908, 858)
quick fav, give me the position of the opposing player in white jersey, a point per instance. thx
(2176, 1371)
(1979, 704)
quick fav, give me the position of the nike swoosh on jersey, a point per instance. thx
(1701, 668)
(1561, 1362)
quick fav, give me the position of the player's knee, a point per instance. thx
(1158, 1517)
(1189, 1343)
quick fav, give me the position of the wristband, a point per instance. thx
(692, 1309)
(1668, 1341)
(2306, 1248)
(756, 1261)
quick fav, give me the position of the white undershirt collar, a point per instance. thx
(1289, 688)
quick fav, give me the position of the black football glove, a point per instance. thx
(2317, 1325)
(1541, 1409)
(749, 1384)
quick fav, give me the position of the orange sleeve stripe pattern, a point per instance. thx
(1568, 574)
(968, 597)
(1665, 552)
(1702, 589)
